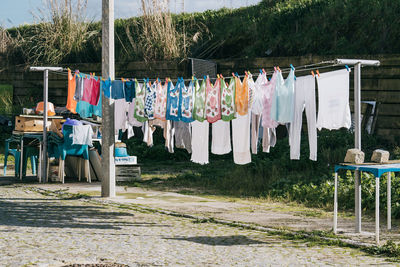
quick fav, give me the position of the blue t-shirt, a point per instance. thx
(117, 89)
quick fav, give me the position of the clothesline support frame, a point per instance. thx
(357, 63)
(43, 159)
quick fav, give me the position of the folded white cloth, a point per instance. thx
(82, 135)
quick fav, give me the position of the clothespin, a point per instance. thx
(317, 71)
(347, 67)
(278, 68)
(291, 66)
(261, 71)
(274, 68)
(233, 74)
(312, 73)
(217, 76)
(237, 74)
(205, 77)
(192, 78)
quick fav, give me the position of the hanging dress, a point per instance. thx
(187, 102)
(199, 112)
(213, 101)
(173, 108)
(228, 100)
(71, 103)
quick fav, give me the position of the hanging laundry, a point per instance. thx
(106, 87)
(283, 102)
(269, 139)
(259, 91)
(251, 88)
(169, 135)
(213, 100)
(268, 96)
(150, 99)
(304, 99)
(187, 102)
(121, 108)
(242, 96)
(129, 90)
(148, 133)
(84, 109)
(140, 102)
(200, 136)
(91, 91)
(117, 89)
(199, 111)
(173, 96)
(71, 103)
(183, 136)
(131, 115)
(79, 81)
(241, 139)
(333, 100)
(228, 100)
(98, 110)
(161, 100)
(255, 128)
(221, 138)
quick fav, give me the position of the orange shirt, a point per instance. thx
(242, 96)
(71, 103)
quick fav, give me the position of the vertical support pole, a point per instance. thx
(45, 101)
(357, 141)
(389, 201)
(21, 158)
(108, 71)
(335, 205)
(377, 210)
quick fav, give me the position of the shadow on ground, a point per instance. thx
(53, 213)
(235, 240)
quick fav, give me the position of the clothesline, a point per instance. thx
(308, 67)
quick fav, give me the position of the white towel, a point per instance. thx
(82, 135)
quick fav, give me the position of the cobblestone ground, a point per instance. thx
(42, 230)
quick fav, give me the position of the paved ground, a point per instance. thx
(44, 230)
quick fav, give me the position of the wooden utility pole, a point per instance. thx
(108, 70)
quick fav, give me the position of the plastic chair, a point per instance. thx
(68, 149)
(31, 153)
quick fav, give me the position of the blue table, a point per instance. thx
(377, 170)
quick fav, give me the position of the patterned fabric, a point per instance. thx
(199, 113)
(187, 103)
(213, 101)
(228, 100)
(139, 102)
(242, 96)
(150, 99)
(173, 108)
(161, 101)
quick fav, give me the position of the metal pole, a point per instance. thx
(45, 101)
(335, 205)
(389, 201)
(357, 141)
(357, 106)
(108, 70)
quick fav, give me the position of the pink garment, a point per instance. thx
(91, 91)
(213, 101)
(268, 92)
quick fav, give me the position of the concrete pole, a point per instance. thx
(45, 101)
(108, 70)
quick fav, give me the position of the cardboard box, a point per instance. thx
(25, 123)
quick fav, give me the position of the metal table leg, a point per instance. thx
(21, 162)
(335, 205)
(357, 208)
(377, 210)
(389, 201)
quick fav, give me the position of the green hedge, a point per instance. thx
(271, 28)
